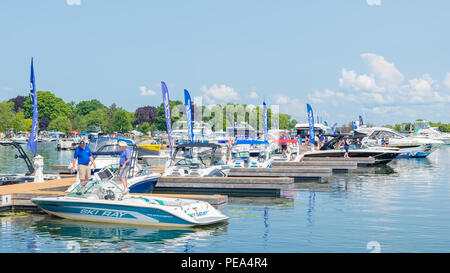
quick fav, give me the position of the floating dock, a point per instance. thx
(360, 161)
(18, 196)
(294, 171)
(336, 165)
(236, 186)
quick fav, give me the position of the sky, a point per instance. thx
(383, 59)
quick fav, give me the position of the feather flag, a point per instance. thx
(188, 108)
(166, 101)
(33, 140)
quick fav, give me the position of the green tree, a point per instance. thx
(85, 107)
(49, 106)
(122, 121)
(18, 122)
(144, 128)
(98, 117)
(61, 124)
(6, 115)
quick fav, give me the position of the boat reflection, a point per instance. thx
(125, 238)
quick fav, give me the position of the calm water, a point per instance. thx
(404, 207)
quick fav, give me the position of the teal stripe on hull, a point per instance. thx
(111, 212)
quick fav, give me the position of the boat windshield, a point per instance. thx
(94, 187)
(193, 162)
(240, 154)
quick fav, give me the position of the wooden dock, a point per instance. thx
(295, 171)
(360, 161)
(18, 196)
(336, 166)
(236, 186)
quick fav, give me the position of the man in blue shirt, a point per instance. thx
(84, 156)
(125, 163)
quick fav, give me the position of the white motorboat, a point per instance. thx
(409, 146)
(197, 159)
(250, 154)
(293, 152)
(102, 201)
(335, 149)
(422, 129)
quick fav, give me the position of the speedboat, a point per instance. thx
(250, 154)
(20, 138)
(102, 201)
(197, 159)
(409, 146)
(293, 152)
(334, 148)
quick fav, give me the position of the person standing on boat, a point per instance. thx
(84, 156)
(125, 163)
(346, 146)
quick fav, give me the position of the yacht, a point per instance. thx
(302, 129)
(197, 159)
(103, 201)
(409, 146)
(250, 154)
(422, 129)
(334, 148)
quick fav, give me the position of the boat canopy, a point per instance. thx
(251, 142)
(285, 141)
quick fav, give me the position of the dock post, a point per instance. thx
(39, 168)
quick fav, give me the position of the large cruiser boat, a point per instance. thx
(103, 201)
(197, 159)
(335, 148)
(250, 154)
(302, 129)
(409, 146)
(422, 129)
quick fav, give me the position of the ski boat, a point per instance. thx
(409, 146)
(197, 159)
(102, 201)
(335, 148)
(250, 154)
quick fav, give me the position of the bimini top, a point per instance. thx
(285, 140)
(199, 144)
(251, 142)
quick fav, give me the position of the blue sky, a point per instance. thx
(386, 60)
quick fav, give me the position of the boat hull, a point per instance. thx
(380, 157)
(114, 213)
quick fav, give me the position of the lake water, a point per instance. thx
(404, 207)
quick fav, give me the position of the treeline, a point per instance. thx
(55, 114)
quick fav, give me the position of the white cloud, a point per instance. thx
(219, 94)
(446, 81)
(253, 95)
(291, 106)
(383, 86)
(321, 97)
(73, 2)
(146, 92)
(373, 2)
(385, 73)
